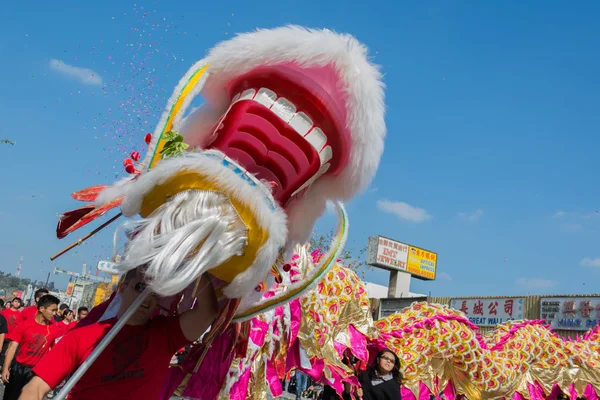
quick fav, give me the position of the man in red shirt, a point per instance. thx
(136, 362)
(30, 312)
(12, 314)
(33, 338)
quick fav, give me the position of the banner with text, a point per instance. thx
(421, 263)
(397, 256)
(490, 312)
(571, 313)
(387, 253)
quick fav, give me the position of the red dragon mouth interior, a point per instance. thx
(284, 128)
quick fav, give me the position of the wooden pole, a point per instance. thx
(89, 235)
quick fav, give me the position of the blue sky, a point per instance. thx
(491, 158)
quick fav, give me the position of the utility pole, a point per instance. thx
(47, 279)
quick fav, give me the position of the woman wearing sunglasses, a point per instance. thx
(382, 380)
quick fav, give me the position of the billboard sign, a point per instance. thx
(70, 287)
(490, 312)
(108, 267)
(387, 253)
(395, 305)
(570, 313)
(421, 263)
(397, 256)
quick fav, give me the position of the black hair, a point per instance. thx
(396, 374)
(132, 273)
(1, 303)
(66, 312)
(47, 300)
(63, 307)
(17, 298)
(80, 309)
(39, 293)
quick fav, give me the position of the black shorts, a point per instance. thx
(20, 375)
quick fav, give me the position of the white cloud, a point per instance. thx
(444, 276)
(83, 75)
(580, 215)
(536, 283)
(404, 211)
(471, 217)
(373, 190)
(591, 262)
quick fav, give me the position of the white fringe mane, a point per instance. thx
(191, 233)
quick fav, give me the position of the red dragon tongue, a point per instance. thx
(284, 128)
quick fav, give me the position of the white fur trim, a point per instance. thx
(309, 47)
(112, 193)
(273, 219)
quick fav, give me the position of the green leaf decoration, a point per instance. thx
(174, 145)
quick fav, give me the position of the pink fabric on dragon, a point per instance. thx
(407, 394)
(590, 393)
(273, 380)
(424, 392)
(359, 343)
(208, 381)
(449, 392)
(240, 387)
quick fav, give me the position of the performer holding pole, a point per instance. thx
(133, 364)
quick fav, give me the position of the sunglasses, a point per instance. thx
(390, 360)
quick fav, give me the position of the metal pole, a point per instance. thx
(47, 279)
(102, 345)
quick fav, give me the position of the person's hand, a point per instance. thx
(359, 392)
(5, 375)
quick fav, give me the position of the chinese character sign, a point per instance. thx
(490, 312)
(421, 263)
(386, 253)
(571, 313)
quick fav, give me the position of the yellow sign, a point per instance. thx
(103, 292)
(421, 263)
(70, 287)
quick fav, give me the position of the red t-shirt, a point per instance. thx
(34, 341)
(28, 313)
(12, 318)
(63, 328)
(133, 366)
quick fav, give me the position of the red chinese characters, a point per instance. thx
(478, 308)
(464, 308)
(586, 308)
(508, 307)
(569, 309)
(492, 308)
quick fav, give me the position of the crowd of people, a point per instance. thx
(28, 333)
(43, 344)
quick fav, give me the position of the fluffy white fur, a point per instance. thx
(274, 220)
(192, 233)
(363, 83)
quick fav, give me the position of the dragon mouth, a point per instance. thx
(285, 134)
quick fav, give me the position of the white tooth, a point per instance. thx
(301, 123)
(309, 182)
(236, 98)
(284, 109)
(325, 155)
(316, 138)
(266, 97)
(248, 94)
